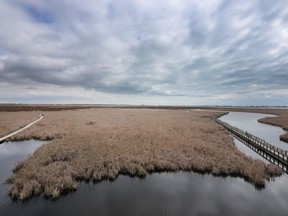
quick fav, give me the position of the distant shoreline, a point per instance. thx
(55, 107)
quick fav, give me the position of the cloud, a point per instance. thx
(224, 51)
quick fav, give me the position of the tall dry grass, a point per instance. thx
(12, 121)
(99, 144)
(281, 121)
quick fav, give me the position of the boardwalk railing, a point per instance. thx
(257, 144)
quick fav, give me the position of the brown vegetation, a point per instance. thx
(281, 120)
(96, 144)
(10, 122)
(39, 107)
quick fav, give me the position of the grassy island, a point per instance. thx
(101, 143)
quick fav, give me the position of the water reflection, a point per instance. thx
(10, 154)
(163, 194)
(181, 193)
(249, 122)
(19, 149)
(248, 151)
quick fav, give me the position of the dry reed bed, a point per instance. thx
(278, 121)
(12, 121)
(99, 144)
(281, 120)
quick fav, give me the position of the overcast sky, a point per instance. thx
(144, 52)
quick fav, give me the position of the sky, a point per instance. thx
(161, 52)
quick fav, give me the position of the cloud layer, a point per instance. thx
(175, 52)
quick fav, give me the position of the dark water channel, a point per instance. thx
(181, 193)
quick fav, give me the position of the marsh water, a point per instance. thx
(249, 122)
(180, 193)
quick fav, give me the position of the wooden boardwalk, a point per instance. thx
(2, 139)
(271, 153)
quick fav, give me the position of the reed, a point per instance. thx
(281, 121)
(130, 142)
(12, 121)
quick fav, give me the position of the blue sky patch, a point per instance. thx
(42, 16)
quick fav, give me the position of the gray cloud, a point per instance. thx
(188, 49)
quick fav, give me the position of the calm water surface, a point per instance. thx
(10, 154)
(181, 193)
(249, 122)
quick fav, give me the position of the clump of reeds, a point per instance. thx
(281, 121)
(130, 142)
(11, 121)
